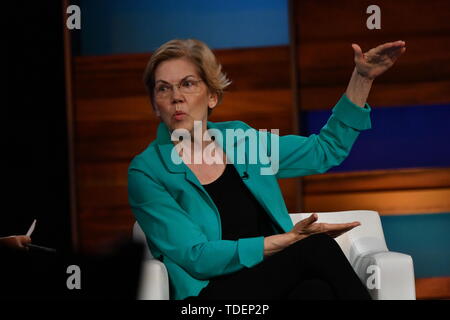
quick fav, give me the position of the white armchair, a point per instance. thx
(388, 275)
(154, 280)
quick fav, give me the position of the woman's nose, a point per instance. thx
(176, 100)
(176, 94)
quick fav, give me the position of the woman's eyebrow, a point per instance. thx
(190, 75)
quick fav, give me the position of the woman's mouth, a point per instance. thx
(179, 115)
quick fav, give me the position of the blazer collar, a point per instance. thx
(165, 146)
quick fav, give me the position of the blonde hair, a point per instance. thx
(199, 54)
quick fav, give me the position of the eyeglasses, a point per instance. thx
(187, 86)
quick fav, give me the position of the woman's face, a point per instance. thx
(179, 109)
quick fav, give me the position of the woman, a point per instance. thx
(221, 227)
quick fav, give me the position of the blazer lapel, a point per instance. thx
(166, 146)
(248, 173)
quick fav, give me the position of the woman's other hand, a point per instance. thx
(309, 226)
(302, 230)
(377, 60)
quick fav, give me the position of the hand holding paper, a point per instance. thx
(30, 231)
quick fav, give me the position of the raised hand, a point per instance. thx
(377, 60)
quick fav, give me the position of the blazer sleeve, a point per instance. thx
(170, 229)
(317, 153)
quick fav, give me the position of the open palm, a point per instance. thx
(309, 226)
(377, 60)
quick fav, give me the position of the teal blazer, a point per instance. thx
(182, 223)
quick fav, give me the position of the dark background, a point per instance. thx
(36, 126)
(37, 184)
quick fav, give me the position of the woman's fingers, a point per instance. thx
(304, 225)
(334, 227)
(358, 51)
(309, 226)
(337, 232)
(342, 230)
(389, 45)
(341, 226)
(387, 49)
(311, 219)
(22, 241)
(308, 221)
(392, 49)
(397, 53)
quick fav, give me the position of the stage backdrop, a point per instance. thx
(290, 80)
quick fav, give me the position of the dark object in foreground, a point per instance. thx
(47, 274)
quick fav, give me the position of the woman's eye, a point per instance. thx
(162, 88)
(187, 83)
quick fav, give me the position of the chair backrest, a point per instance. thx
(139, 236)
(368, 237)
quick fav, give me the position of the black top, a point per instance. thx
(242, 216)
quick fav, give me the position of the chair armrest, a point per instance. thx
(154, 281)
(387, 275)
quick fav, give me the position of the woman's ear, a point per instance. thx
(212, 100)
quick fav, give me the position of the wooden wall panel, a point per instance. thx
(378, 180)
(408, 191)
(323, 33)
(325, 30)
(403, 202)
(319, 67)
(114, 122)
(104, 228)
(346, 18)
(114, 76)
(433, 288)
(119, 76)
(390, 192)
(381, 95)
